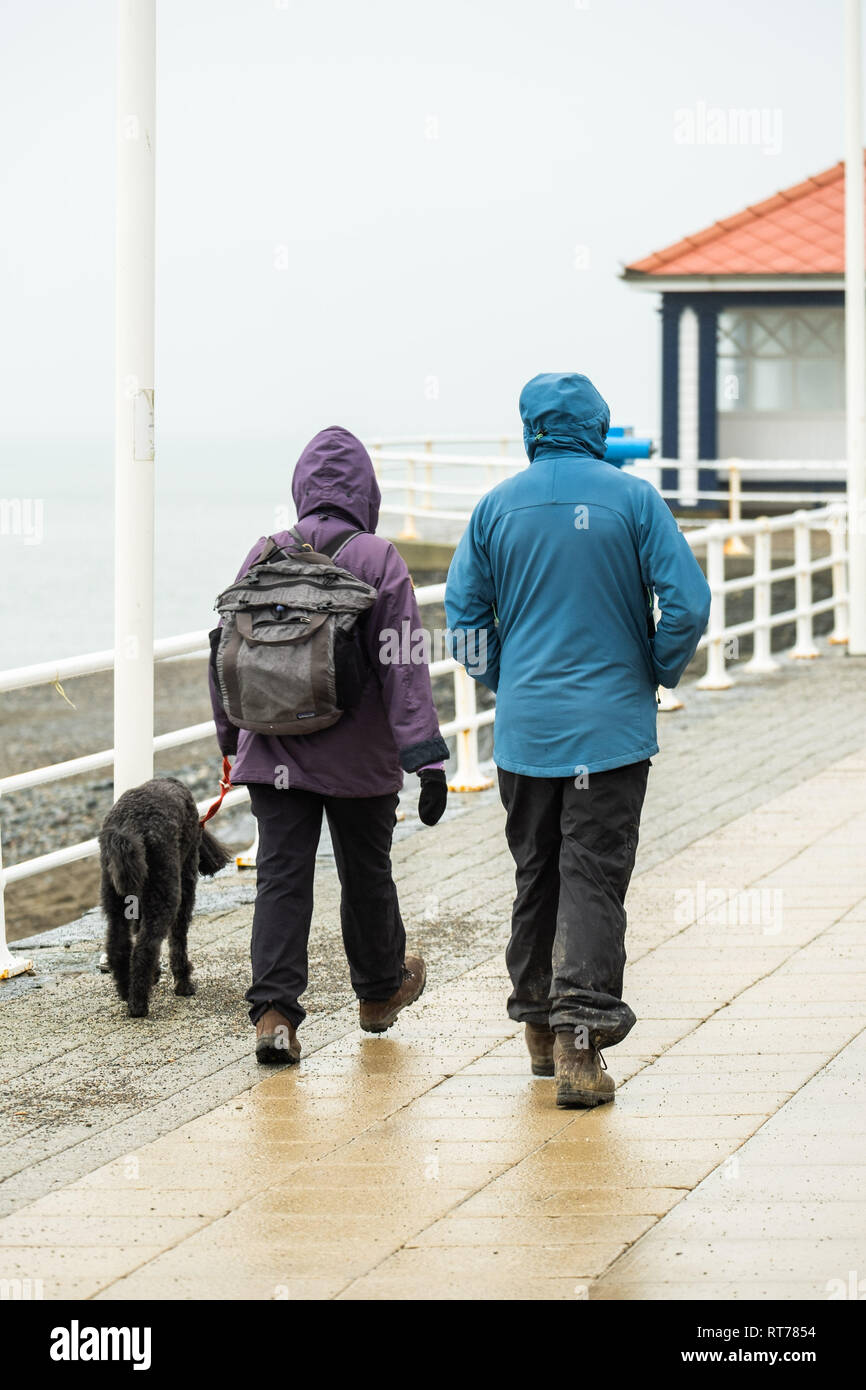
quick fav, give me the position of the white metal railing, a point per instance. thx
(414, 486)
(720, 642)
(718, 540)
(721, 639)
(430, 441)
(464, 727)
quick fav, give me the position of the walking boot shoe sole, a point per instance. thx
(582, 1100)
(543, 1069)
(271, 1052)
(383, 1024)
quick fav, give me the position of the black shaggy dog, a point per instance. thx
(153, 849)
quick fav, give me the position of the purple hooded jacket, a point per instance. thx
(394, 727)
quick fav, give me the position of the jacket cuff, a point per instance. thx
(433, 750)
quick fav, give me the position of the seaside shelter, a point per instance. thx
(753, 336)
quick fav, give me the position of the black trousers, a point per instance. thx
(573, 841)
(290, 824)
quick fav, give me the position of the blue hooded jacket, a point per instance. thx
(554, 574)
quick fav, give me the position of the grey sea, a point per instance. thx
(56, 537)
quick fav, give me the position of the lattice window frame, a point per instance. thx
(787, 335)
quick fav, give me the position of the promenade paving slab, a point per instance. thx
(153, 1161)
(785, 1215)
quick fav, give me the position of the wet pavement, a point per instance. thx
(152, 1159)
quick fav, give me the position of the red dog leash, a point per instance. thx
(225, 786)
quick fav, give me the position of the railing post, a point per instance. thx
(247, 858)
(839, 554)
(409, 533)
(428, 474)
(716, 677)
(468, 776)
(668, 700)
(735, 545)
(762, 662)
(503, 449)
(9, 965)
(804, 648)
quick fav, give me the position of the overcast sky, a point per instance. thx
(385, 214)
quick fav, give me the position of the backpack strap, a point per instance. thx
(270, 547)
(331, 550)
(267, 551)
(304, 545)
(335, 545)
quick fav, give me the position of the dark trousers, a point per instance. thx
(574, 843)
(290, 823)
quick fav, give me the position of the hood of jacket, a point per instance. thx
(562, 411)
(335, 474)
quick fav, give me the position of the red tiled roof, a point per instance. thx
(800, 231)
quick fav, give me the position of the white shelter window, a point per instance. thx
(781, 360)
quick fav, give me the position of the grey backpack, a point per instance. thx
(288, 659)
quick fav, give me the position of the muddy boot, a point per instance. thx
(539, 1041)
(376, 1015)
(276, 1040)
(582, 1079)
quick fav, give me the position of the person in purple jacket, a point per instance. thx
(352, 771)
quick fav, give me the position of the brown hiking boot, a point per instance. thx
(540, 1041)
(582, 1078)
(276, 1040)
(376, 1015)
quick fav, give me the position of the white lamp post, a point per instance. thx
(133, 502)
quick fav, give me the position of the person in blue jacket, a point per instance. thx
(549, 603)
